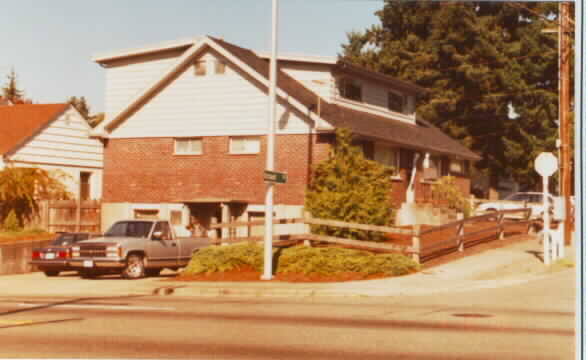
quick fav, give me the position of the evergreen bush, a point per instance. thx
(300, 259)
(446, 189)
(348, 187)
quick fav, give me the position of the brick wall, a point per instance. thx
(145, 170)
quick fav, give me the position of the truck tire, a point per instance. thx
(51, 273)
(87, 274)
(134, 267)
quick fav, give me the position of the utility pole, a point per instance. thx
(268, 243)
(564, 110)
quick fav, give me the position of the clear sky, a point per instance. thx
(50, 43)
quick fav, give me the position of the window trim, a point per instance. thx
(176, 140)
(251, 137)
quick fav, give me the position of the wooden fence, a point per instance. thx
(421, 243)
(68, 215)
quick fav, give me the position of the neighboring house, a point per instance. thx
(186, 122)
(52, 137)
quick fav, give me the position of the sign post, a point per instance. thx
(546, 164)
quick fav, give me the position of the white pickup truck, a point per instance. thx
(134, 248)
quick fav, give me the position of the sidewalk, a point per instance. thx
(494, 268)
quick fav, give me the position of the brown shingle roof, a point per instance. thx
(20, 123)
(423, 136)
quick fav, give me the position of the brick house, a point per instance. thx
(185, 129)
(52, 137)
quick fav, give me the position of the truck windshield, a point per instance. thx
(130, 229)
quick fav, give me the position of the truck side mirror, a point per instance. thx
(157, 235)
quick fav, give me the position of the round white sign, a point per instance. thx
(546, 164)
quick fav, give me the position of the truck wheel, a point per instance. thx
(86, 274)
(134, 267)
(152, 272)
(51, 273)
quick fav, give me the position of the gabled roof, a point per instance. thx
(20, 123)
(422, 137)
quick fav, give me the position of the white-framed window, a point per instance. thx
(189, 146)
(219, 67)
(396, 102)
(350, 89)
(200, 68)
(458, 167)
(388, 155)
(245, 145)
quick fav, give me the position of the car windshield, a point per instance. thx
(137, 229)
(64, 239)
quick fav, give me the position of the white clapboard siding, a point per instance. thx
(210, 105)
(316, 77)
(126, 81)
(65, 142)
(69, 161)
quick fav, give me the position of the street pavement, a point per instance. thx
(515, 264)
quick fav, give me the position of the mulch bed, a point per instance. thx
(247, 274)
(514, 235)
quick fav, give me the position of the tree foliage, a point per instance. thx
(22, 188)
(11, 90)
(349, 187)
(490, 69)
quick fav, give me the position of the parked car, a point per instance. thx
(519, 200)
(134, 249)
(54, 258)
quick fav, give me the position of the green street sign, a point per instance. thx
(275, 177)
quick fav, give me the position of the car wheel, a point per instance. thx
(134, 267)
(51, 273)
(152, 272)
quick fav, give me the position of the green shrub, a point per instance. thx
(11, 223)
(447, 191)
(348, 187)
(300, 259)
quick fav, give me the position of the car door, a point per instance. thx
(162, 251)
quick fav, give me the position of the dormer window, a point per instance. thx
(200, 68)
(351, 89)
(396, 102)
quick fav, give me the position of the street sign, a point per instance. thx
(546, 164)
(275, 177)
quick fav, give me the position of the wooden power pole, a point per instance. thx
(564, 111)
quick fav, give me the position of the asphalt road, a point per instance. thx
(526, 321)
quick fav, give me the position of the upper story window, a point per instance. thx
(350, 89)
(245, 145)
(220, 67)
(387, 155)
(200, 68)
(188, 146)
(396, 102)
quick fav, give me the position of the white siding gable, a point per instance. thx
(208, 105)
(65, 145)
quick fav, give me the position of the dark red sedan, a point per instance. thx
(54, 258)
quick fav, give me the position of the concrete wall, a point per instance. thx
(14, 257)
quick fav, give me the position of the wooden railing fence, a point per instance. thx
(424, 244)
